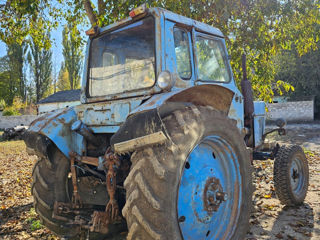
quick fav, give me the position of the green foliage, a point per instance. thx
(12, 80)
(16, 57)
(10, 111)
(303, 72)
(35, 224)
(72, 52)
(34, 18)
(15, 108)
(2, 104)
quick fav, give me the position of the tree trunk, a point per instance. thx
(89, 10)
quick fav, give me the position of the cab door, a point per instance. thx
(178, 54)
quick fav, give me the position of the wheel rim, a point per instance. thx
(210, 195)
(297, 179)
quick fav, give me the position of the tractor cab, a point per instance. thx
(157, 54)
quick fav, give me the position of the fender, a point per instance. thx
(216, 96)
(147, 118)
(55, 126)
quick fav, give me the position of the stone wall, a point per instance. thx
(12, 121)
(291, 111)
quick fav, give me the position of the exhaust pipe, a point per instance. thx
(82, 129)
(247, 94)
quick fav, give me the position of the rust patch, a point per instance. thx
(213, 195)
(52, 118)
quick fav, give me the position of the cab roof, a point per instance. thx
(158, 12)
(199, 26)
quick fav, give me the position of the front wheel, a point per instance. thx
(198, 186)
(291, 175)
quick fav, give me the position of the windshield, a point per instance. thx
(123, 60)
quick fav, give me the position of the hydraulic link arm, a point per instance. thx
(110, 163)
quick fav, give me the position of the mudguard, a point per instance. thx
(147, 118)
(55, 126)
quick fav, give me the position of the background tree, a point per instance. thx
(30, 18)
(72, 52)
(12, 77)
(63, 79)
(6, 89)
(16, 59)
(41, 64)
(302, 72)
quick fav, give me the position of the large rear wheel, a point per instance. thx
(197, 186)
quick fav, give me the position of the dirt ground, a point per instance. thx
(269, 220)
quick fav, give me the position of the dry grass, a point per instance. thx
(18, 219)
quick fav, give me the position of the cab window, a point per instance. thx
(182, 51)
(211, 60)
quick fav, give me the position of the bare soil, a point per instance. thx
(270, 219)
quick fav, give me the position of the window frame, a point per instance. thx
(226, 60)
(87, 88)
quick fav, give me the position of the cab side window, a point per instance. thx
(182, 51)
(212, 60)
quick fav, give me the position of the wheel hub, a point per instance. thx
(296, 178)
(213, 195)
(295, 174)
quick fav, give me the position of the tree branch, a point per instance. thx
(101, 7)
(89, 10)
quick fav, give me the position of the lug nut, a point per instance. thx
(220, 196)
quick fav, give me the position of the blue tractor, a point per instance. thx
(163, 142)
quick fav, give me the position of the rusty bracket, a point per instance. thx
(112, 163)
(99, 220)
(85, 159)
(76, 200)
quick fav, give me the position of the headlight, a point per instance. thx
(165, 80)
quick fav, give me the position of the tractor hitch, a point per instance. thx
(99, 221)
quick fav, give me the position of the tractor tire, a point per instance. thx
(157, 174)
(50, 184)
(291, 175)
